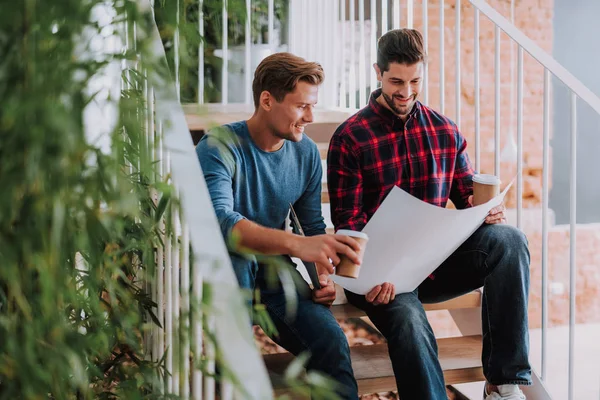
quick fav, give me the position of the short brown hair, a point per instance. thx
(402, 46)
(279, 74)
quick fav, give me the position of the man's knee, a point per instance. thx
(508, 240)
(408, 324)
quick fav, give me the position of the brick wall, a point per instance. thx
(534, 18)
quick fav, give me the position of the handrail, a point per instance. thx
(539, 54)
(233, 324)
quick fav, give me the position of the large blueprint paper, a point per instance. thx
(409, 239)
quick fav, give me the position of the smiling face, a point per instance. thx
(400, 86)
(288, 118)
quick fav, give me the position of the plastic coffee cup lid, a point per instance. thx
(486, 179)
(350, 233)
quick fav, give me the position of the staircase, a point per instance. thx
(349, 80)
(460, 357)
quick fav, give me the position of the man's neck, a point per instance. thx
(263, 136)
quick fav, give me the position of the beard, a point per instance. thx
(401, 111)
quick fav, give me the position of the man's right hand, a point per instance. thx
(321, 248)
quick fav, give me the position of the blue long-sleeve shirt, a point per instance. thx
(247, 182)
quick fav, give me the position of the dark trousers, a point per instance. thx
(302, 325)
(495, 257)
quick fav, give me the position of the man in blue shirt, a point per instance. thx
(254, 169)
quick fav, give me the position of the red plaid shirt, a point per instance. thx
(373, 151)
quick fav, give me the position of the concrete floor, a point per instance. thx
(587, 363)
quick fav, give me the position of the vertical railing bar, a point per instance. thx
(458, 94)
(169, 291)
(373, 47)
(497, 107)
(572, 243)
(196, 330)
(150, 160)
(145, 159)
(426, 44)
(185, 309)
(160, 265)
(519, 137)
(209, 384)
(442, 61)
(201, 53)
(477, 93)
(545, 201)
(153, 156)
(334, 26)
(271, 21)
(384, 17)
(248, 55)
(352, 76)
(226, 390)
(396, 14)
(305, 39)
(362, 77)
(343, 102)
(176, 41)
(225, 49)
(410, 14)
(175, 267)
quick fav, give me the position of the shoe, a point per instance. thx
(507, 392)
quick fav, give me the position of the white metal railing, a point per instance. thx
(578, 90)
(178, 287)
(350, 49)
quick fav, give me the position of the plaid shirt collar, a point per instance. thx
(385, 113)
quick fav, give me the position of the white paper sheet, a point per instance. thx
(409, 239)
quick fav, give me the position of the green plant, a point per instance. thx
(77, 224)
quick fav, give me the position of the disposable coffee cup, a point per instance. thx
(346, 267)
(485, 188)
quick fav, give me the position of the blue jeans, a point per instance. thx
(495, 257)
(313, 327)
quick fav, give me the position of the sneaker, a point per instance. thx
(507, 392)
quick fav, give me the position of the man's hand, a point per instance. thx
(321, 248)
(381, 294)
(325, 295)
(496, 214)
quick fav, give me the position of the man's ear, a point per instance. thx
(266, 100)
(378, 72)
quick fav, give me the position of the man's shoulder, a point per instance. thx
(436, 119)
(229, 136)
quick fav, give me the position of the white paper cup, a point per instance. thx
(485, 188)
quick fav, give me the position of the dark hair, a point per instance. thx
(402, 46)
(279, 74)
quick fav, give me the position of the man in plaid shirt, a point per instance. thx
(397, 141)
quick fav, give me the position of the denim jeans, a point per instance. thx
(312, 327)
(495, 257)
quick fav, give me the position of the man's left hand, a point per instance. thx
(496, 214)
(325, 295)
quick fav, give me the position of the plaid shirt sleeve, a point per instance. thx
(344, 180)
(462, 182)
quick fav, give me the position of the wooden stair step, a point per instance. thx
(460, 358)
(207, 116)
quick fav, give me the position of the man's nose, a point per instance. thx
(405, 92)
(308, 115)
